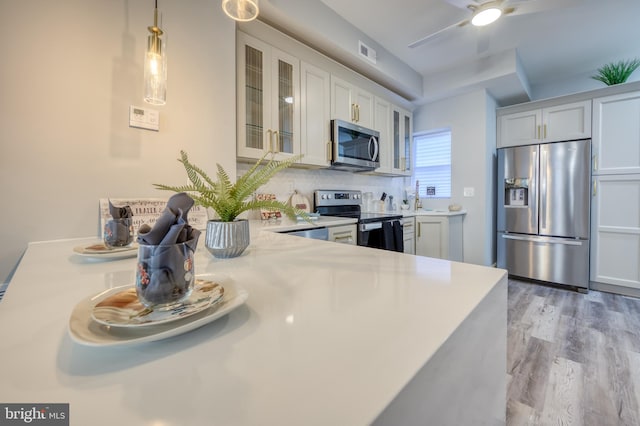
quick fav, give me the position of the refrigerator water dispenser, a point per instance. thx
(516, 192)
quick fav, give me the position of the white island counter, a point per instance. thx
(330, 334)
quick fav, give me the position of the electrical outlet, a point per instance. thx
(469, 191)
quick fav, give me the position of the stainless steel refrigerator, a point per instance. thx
(544, 199)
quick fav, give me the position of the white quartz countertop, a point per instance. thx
(285, 224)
(329, 335)
(425, 212)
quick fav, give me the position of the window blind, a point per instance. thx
(432, 162)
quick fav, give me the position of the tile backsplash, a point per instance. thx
(305, 181)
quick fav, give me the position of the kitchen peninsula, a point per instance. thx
(331, 334)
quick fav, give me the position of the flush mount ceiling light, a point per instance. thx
(155, 65)
(486, 14)
(241, 10)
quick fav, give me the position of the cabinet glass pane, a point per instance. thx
(396, 140)
(407, 143)
(254, 98)
(285, 107)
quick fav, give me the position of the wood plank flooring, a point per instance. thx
(572, 358)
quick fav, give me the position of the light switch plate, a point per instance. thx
(469, 191)
(144, 118)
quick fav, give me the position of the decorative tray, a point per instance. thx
(85, 330)
(100, 251)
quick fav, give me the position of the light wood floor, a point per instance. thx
(572, 359)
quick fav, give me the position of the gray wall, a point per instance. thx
(472, 120)
(70, 71)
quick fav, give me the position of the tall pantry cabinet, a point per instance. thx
(615, 207)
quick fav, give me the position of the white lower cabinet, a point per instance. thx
(346, 234)
(409, 234)
(615, 230)
(439, 236)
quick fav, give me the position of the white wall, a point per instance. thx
(581, 82)
(70, 70)
(472, 119)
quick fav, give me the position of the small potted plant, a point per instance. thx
(616, 72)
(227, 236)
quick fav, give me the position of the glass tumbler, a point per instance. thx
(164, 275)
(118, 232)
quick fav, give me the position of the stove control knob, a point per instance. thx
(329, 196)
(356, 196)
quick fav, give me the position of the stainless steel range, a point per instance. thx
(378, 230)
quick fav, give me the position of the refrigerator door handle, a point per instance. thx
(543, 186)
(549, 240)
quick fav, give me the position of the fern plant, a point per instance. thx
(227, 199)
(616, 72)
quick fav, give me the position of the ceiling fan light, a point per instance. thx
(241, 10)
(485, 16)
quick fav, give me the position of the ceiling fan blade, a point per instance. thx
(537, 6)
(462, 4)
(423, 40)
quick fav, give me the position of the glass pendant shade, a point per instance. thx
(241, 10)
(155, 66)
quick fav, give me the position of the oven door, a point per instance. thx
(385, 234)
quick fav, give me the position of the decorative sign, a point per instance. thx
(268, 213)
(431, 191)
(147, 211)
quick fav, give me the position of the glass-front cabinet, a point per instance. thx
(268, 100)
(402, 141)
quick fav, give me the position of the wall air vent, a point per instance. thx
(366, 52)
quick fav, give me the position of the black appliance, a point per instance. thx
(377, 230)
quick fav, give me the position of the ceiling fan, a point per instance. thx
(485, 12)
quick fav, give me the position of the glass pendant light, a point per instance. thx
(241, 10)
(155, 65)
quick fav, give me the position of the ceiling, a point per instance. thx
(553, 45)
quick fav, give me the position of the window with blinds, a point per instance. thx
(432, 163)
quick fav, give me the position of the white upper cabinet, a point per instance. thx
(268, 100)
(616, 134)
(382, 115)
(402, 125)
(350, 103)
(555, 123)
(315, 115)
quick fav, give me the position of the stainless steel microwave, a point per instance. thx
(355, 148)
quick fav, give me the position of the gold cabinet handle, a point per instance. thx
(545, 131)
(329, 151)
(595, 186)
(418, 229)
(270, 139)
(538, 131)
(595, 162)
(357, 113)
(276, 141)
(353, 112)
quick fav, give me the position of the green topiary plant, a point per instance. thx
(229, 200)
(616, 72)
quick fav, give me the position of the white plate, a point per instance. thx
(100, 251)
(120, 307)
(85, 331)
